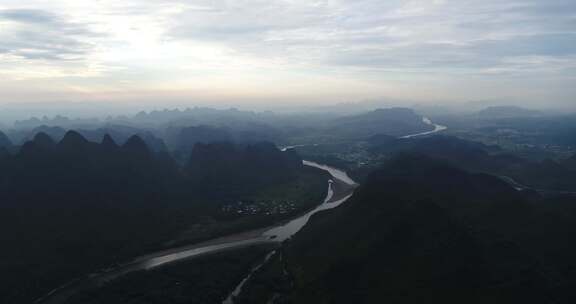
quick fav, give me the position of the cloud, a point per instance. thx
(39, 34)
(28, 16)
(248, 20)
(365, 45)
(442, 35)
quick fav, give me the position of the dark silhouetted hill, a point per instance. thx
(499, 112)
(5, 142)
(188, 137)
(44, 140)
(119, 133)
(73, 206)
(109, 143)
(419, 230)
(242, 166)
(477, 157)
(463, 153)
(136, 147)
(394, 121)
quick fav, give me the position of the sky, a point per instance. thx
(279, 52)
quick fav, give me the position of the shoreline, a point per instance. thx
(338, 191)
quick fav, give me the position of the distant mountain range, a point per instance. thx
(498, 112)
(393, 121)
(549, 174)
(178, 130)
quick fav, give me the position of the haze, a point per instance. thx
(162, 52)
(287, 151)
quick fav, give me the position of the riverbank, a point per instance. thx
(340, 187)
(206, 279)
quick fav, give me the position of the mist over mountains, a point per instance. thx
(287, 152)
(448, 206)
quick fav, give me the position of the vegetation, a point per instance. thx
(437, 218)
(206, 279)
(74, 206)
(421, 230)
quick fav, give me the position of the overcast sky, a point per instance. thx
(281, 51)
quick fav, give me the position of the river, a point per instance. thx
(274, 234)
(544, 192)
(428, 121)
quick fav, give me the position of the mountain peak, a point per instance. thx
(43, 140)
(108, 142)
(136, 145)
(73, 139)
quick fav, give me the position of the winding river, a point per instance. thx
(545, 192)
(340, 189)
(274, 234)
(428, 121)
